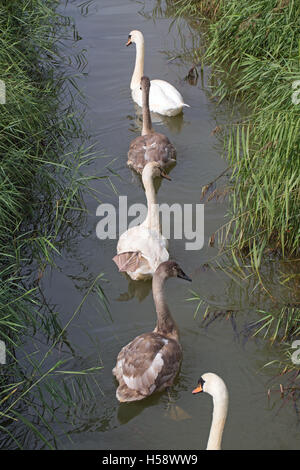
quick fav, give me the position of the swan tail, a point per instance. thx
(128, 261)
(125, 394)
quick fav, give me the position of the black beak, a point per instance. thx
(182, 275)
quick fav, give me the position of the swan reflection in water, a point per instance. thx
(174, 123)
(136, 289)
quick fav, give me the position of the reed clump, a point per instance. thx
(253, 48)
(41, 182)
(253, 51)
(206, 8)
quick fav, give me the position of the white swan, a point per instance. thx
(215, 386)
(164, 98)
(141, 249)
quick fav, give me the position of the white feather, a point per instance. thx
(147, 379)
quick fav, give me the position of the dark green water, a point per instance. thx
(96, 336)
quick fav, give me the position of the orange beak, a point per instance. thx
(198, 389)
(128, 42)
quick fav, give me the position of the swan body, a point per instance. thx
(142, 248)
(151, 145)
(213, 384)
(164, 98)
(151, 361)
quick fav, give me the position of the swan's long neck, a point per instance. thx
(165, 324)
(147, 123)
(139, 63)
(152, 219)
(218, 421)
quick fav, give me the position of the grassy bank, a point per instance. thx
(253, 51)
(41, 205)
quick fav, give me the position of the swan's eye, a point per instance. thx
(199, 387)
(129, 36)
(201, 382)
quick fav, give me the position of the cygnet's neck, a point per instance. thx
(165, 325)
(147, 123)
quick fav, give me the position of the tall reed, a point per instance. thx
(253, 51)
(41, 206)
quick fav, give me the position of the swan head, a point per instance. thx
(135, 37)
(153, 170)
(145, 84)
(213, 385)
(171, 269)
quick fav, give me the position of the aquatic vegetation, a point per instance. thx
(253, 51)
(164, 98)
(254, 54)
(41, 207)
(256, 48)
(206, 8)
